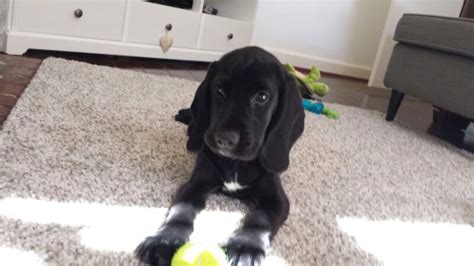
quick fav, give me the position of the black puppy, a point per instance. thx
(244, 119)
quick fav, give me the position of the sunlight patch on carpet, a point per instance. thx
(114, 228)
(396, 242)
(11, 256)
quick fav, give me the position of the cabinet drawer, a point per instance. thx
(101, 19)
(147, 23)
(223, 34)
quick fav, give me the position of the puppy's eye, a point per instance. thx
(261, 97)
(220, 92)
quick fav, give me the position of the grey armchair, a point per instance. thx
(433, 61)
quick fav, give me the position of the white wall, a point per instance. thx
(397, 9)
(339, 36)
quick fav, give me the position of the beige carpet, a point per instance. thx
(90, 157)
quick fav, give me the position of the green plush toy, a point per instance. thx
(310, 81)
(309, 85)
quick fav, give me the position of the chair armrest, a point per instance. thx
(452, 35)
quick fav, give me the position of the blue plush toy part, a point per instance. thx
(319, 108)
(315, 107)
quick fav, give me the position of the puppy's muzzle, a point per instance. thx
(227, 140)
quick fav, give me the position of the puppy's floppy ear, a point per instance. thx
(200, 111)
(286, 126)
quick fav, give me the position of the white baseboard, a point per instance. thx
(19, 42)
(324, 64)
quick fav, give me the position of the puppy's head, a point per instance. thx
(247, 108)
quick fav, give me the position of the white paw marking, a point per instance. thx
(176, 210)
(232, 261)
(265, 238)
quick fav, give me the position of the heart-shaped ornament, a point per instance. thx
(165, 43)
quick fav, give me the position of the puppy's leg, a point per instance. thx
(184, 116)
(247, 246)
(178, 226)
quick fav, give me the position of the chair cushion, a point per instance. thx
(443, 79)
(453, 35)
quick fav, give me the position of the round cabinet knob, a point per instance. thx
(78, 13)
(168, 27)
(230, 36)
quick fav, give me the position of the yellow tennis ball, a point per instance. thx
(199, 254)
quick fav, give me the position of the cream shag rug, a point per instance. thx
(90, 157)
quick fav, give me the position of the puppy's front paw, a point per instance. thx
(159, 249)
(245, 249)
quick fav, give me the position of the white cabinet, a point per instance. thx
(148, 22)
(101, 19)
(223, 34)
(127, 27)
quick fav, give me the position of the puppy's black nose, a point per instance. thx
(227, 139)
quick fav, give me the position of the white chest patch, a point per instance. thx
(234, 185)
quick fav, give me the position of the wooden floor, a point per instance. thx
(20, 69)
